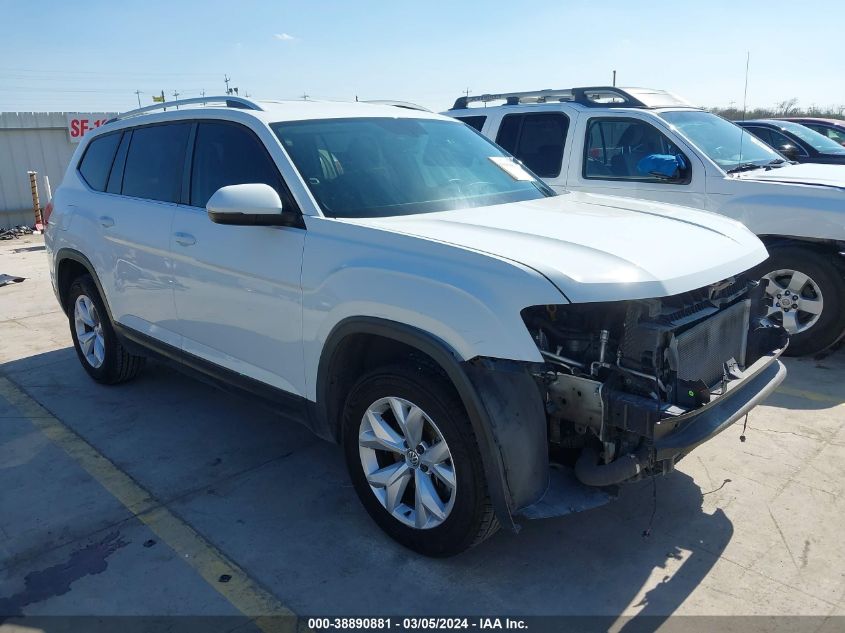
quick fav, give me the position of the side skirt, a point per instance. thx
(290, 406)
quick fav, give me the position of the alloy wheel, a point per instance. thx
(89, 331)
(407, 463)
(797, 300)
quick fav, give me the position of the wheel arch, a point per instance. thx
(358, 343)
(70, 264)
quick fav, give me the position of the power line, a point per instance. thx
(106, 72)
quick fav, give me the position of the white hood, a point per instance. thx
(801, 174)
(596, 247)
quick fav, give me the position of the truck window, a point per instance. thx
(537, 139)
(476, 122)
(615, 146)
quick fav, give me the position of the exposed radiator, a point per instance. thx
(701, 352)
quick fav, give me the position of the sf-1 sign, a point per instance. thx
(78, 124)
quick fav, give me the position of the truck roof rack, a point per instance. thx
(227, 101)
(591, 96)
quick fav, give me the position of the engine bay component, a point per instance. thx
(617, 375)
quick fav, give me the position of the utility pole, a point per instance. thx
(227, 80)
(466, 92)
(304, 96)
(138, 94)
(176, 97)
(614, 78)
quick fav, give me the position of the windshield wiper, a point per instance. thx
(776, 162)
(745, 167)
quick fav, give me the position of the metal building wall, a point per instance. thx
(35, 141)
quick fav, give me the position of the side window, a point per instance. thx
(116, 176)
(228, 154)
(762, 133)
(834, 134)
(781, 142)
(630, 149)
(537, 139)
(155, 161)
(96, 163)
(473, 121)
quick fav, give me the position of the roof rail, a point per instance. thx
(227, 100)
(399, 104)
(589, 96)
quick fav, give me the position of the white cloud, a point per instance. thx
(284, 37)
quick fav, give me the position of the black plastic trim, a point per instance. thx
(290, 406)
(695, 428)
(70, 254)
(514, 478)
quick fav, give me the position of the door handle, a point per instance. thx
(185, 239)
(106, 221)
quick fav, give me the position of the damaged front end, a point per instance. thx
(630, 387)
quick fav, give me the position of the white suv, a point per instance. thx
(396, 282)
(653, 145)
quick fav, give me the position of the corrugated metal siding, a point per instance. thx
(35, 141)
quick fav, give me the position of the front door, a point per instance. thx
(237, 288)
(612, 162)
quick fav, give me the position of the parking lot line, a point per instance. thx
(808, 395)
(244, 593)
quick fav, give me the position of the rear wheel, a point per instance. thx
(414, 461)
(807, 290)
(94, 338)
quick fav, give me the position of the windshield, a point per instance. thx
(726, 144)
(368, 167)
(818, 141)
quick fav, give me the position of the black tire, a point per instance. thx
(828, 274)
(471, 519)
(118, 365)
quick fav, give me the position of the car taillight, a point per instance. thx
(48, 211)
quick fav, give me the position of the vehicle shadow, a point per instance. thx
(278, 502)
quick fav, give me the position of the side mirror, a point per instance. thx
(254, 204)
(790, 151)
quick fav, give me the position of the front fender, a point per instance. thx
(785, 209)
(502, 400)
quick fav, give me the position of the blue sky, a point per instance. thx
(93, 55)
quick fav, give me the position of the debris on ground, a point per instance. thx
(10, 279)
(15, 232)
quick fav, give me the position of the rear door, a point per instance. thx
(538, 139)
(237, 288)
(135, 217)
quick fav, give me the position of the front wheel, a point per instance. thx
(807, 291)
(414, 461)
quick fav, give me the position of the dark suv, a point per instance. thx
(795, 141)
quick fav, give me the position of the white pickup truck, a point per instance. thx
(653, 145)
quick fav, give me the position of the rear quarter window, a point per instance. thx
(97, 160)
